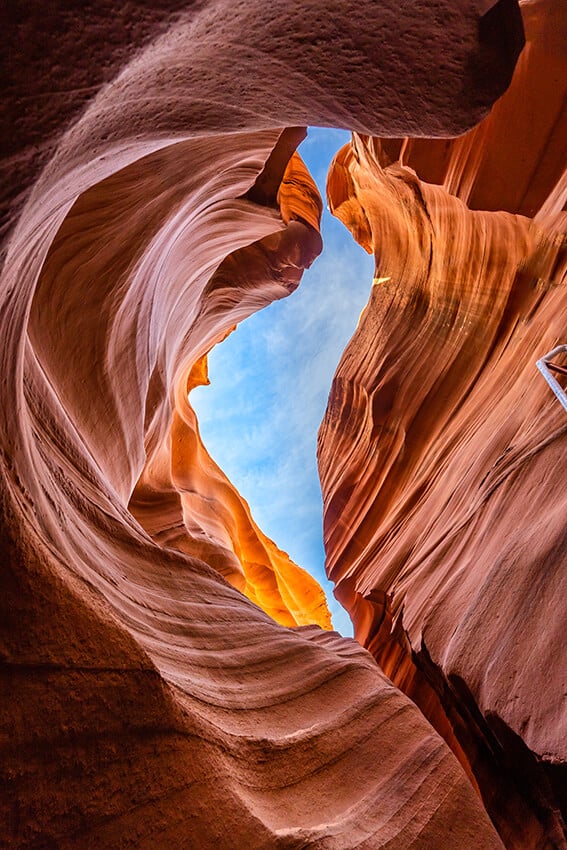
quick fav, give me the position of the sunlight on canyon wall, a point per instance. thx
(182, 498)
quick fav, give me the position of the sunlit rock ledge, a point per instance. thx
(152, 201)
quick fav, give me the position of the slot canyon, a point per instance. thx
(170, 678)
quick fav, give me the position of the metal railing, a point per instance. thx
(546, 367)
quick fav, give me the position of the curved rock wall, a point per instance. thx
(445, 522)
(147, 702)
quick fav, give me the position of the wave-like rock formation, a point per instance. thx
(151, 200)
(446, 516)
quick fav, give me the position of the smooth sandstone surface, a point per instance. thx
(151, 201)
(445, 519)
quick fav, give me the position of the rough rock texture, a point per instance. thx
(445, 519)
(146, 702)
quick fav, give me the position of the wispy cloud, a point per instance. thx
(270, 382)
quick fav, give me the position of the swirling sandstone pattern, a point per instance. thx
(445, 519)
(146, 702)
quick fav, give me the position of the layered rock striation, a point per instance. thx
(152, 201)
(445, 518)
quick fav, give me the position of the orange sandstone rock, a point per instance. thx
(445, 520)
(146, 702)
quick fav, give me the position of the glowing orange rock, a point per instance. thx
(186, 502)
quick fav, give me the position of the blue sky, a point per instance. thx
(269, 385)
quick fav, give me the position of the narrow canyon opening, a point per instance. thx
(270, 381)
